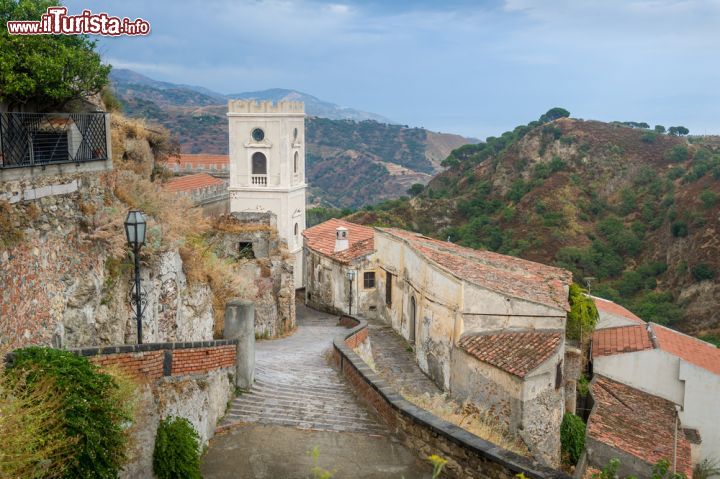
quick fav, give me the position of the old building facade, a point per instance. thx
(267, 167)
(485, 327)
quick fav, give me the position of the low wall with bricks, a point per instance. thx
(150, 362)
(468, 455)
(194, 380)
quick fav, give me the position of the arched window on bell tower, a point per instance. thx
(296, 161)
(259, 164)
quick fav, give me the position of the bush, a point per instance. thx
(415, 189)
(709, 198)
(583, 314)
(702, 272)
(679, 229)
(177, 450)
(649, 137)
(572, 436)
(678, 154)
(94, 408)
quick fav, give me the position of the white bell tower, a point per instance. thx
(267, 167)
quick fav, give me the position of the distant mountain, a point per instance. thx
(350, 163)
(126, 80)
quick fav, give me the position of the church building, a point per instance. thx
(267, 167)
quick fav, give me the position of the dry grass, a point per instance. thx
(203, 265)
(471, 418)
(33, 441)
(229, 224)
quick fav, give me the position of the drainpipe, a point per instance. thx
(677, 418)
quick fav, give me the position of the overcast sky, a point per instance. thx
(469, 67)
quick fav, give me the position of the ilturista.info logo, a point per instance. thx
(57, 22)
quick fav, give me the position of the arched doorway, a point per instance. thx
(411, 325)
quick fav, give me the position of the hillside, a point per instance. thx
(634, 211)
(349, 163)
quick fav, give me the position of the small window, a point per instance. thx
(297, 230)
(295, 134)
(259, 164)
(369, 279)
(558, 375)
(388, 288)
(295, 162)
(245, 250)
(319, 276)
(258, 135)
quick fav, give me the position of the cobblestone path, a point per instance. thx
(295, 386)
(395, 361)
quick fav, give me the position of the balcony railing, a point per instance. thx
(38, 139)
(259, 180)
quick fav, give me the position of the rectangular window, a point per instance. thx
(369, 279)
(388, 288)
(245, 250)
(558, 375)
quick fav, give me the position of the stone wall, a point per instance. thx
(269, 267)
(193, 380)
(468, 456)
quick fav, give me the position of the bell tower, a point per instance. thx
(267, 167)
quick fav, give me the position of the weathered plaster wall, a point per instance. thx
(530, 407)
(328, 289)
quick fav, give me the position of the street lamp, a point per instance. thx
(350, 276)
(135, 226)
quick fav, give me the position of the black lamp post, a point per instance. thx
(350, 276)
(135, 226)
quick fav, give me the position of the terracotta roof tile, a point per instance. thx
(621, 339)
(201, 159)
(508, 275)
(609, 307)
(692, 350)
(517, 353)
(192, 182)
(321, 238)
(636, 422)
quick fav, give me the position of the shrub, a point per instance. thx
(32, 436)
(583, 314)
(649, 137)
(93, 408)
(702, 272)
(679, 229)
(678, 154)
(416, 189)
(709, 198)
(572, 436)
(177, 450)
(656, 307)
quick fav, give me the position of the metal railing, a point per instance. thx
(37, 139)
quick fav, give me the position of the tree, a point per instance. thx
(553, 114)
(416, 189)
(45, 70)
(678, 131)
(659, 129)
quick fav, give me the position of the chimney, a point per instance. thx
(341, 239)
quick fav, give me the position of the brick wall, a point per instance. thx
(468, 455)
(150, 362)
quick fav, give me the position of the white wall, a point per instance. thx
(701, 408)
(653, 371)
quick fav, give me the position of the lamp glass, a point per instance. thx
(135, 227)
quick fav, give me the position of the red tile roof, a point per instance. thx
(517, 353)
(621, 339)
(636, 422)
(609, 307)
(192, 182)
(508, 275)
(321, 238)
(201, 159)
(692, 350)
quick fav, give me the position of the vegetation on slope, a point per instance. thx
(632, 212)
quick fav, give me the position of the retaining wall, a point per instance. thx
(468, 455)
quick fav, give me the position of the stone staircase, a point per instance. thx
(295, 386)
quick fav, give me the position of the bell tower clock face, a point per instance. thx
(258, 135)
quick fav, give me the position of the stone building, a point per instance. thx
(332, 250)
(612, 314)
(267, 167)
(203, 190)
(485, 327)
